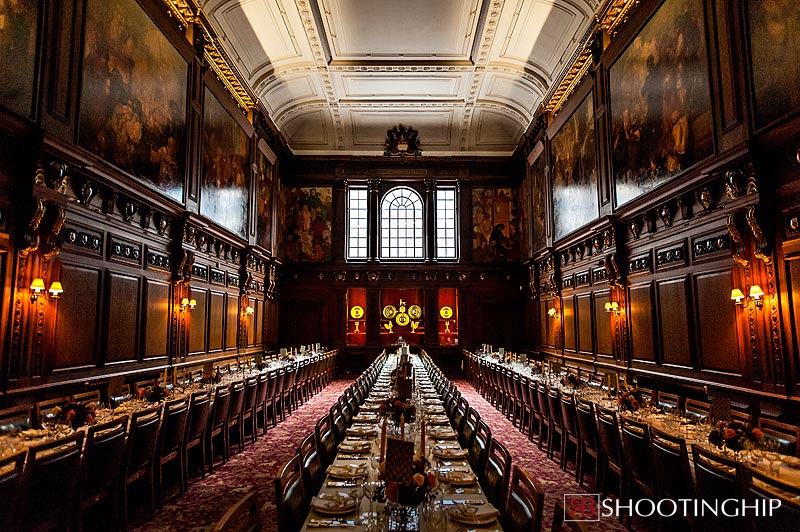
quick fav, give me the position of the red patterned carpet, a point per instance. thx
(207, 499)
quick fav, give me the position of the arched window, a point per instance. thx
(402, 225)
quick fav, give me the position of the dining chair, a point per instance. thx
(544, 409)
(556, 424)
(526, 409)
(740, 415)
(11, 492)
(480, 446)
(92, 396)
(468, 430)
(587, 442)
(525, 507)
(103, 454)
(696, 409)
(459, 414)
(138, 464)
(673, 477)
(260, 409)
(338, 424)
(782, 436)
(288, 398)
(668, 401)
(564, 520)
(218, 425)
(270, 409)
(170, 450)
(325, 440)
(611, 458)
(248, 418)
(47, 410)
(311, 469)
(235, 424)
(51, 481)
(535, 429)
(781, 495)
(280, 386)
(637, 456)
(496, 474)
(195, 437)
(570, 434)
(716, 479)
(19, 417)
(241, 517)
(290, 497)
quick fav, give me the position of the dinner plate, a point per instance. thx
(347, 472)
(442, 433)
(355, 446)
(333, 504)
(363, 431)
(438, 420)
(440, 452)
(472, 515)
(461, 478)
(364, 418)
(34, 433)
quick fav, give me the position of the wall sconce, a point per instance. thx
(552, 312)
(248, 311)
(188, 303)
(612, 307)
(55, 290)
(37, 288)
(755, 294)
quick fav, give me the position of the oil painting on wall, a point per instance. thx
(524, 214)
(18, 21)
(264, 213)
(660, 101)
(572, 152)
(540, 201)
(495, 225)
(306, 224)
(133, 100)
(223, 190)
(775, 48)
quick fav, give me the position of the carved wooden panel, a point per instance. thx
(252, 320)
(123, 312)
(568, 317)
(605, 342)
(158, 307)
(674, 318)
(216, 323)
(640, 314)
(716, 317)
(584, 317)
(76, 325)
(231, 321)
(197, 322)
(545, 328)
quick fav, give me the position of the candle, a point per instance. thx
(403, 426)
(166, 372)
(422, 438)
(383, 440)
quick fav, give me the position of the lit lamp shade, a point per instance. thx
(37, 286)
(56, 289)
(756, 292)
(737, 296)
(184, 303)
(551, 312)
(192, 303)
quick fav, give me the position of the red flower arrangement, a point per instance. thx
(414, 493)
(396, 407)
(570, 379)
(631, 400)
(735, 435)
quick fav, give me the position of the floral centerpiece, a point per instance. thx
(536, 367)
(153, 394)
(74, 414)
(735, 435)
(570, 379)
(395, 407)
(631, 400)
(414, 492)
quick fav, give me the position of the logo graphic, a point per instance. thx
(581, 507)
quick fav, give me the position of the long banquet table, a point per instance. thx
(458, 502)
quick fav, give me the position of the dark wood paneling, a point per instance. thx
(544, 324)
(674, 317)
(216, 322)
(157, 318)
(716, 315)
(197, 323)
(76, 325)
(231, 321)
(568, 317)
(584, 316)
(123, 313)
(252, 319)
(605, 344)
(259, 324)
(640, 312)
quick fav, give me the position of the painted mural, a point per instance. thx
(265, 194)
(540, 202)
(496, 225)
(660, 101)
(18, 21)
(133, 100)
(223, 184)
(573, 156)
(775, 47)
(306, 224)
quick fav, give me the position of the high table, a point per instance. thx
(457, 503)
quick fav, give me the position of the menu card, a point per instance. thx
(399, 460)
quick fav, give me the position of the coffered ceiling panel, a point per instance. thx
(335, 75)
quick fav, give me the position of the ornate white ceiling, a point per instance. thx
(335, 75)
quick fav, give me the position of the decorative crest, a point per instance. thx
(402, 141)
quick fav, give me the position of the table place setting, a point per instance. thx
(473, 514)
(335, 503)
(333, 523)
(347, 471)
(355, 446)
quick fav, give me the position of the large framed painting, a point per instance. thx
(133, 99)
(265, 194)
(223, 184)
(525, 216)
(18, 29)
(495, 225)
(775, 47)
(574, 161)
(540, 202)
(661, 120)
(306, 224)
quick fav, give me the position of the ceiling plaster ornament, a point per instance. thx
(402, 141)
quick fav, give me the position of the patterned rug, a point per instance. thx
(255, 468)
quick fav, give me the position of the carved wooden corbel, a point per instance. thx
(31, 235)
(704, 198)
(737, 243)
(761, 245)
(52, 246)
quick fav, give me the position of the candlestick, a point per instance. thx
(383, 440)
(166, 371)
(403, 426)
(422, 438)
